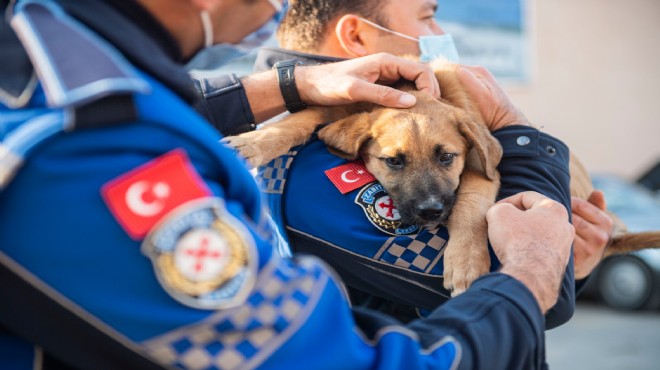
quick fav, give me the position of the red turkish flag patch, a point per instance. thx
(141, 197)
(349, 176)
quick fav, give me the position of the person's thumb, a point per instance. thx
(501, 212)
(386, 96)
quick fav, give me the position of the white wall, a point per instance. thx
(597, 80)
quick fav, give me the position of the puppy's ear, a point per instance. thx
(346, 136)
(484, 144)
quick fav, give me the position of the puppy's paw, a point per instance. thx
(462, 265)
(255, 147)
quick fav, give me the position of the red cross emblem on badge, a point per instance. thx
(386, 209)
(388, 206)
(201, 255)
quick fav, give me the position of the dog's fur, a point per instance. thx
(420, 155)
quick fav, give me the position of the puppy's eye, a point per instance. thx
(394, 162)
(446, 158)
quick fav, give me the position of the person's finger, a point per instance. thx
(595, 236)
(527, 200)
(590, 212)
(579, 223)
(470, 80)
(502, 212)
(580, 255)
(597, 198)
(579, 250)
(588, 247)
(480, 72)
(382, 95)
(395, 68)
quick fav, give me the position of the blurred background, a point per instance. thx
(593, 82)
(587, 72)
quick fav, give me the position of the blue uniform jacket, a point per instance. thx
(131, 239)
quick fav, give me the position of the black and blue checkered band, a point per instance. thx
(272, 176)
(245, 336)
(419, 252)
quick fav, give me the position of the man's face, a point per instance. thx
(410, 17)
(233, 20)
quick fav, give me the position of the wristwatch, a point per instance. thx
(288, 87)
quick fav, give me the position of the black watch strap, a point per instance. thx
(287, 81)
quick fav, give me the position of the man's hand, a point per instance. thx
(494, 104)
(355, 80)
(593, 228)
(362, 79)
(532, 238)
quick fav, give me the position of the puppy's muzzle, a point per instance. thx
(435, 209)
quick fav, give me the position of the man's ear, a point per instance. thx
(484, 144)
(349, 35)
(346, 136)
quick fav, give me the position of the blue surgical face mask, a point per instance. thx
(217, 55)
(431, 47)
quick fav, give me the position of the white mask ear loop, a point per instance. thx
(388, 30)
(208, 28)
(276, 4)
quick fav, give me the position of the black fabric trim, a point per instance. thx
(110, 110)
(379, 279)
(267, 57)
(220, 96)
(31, 314)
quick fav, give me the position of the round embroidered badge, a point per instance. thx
(381, 212)
(203, 256)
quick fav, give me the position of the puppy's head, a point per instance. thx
(417, 154)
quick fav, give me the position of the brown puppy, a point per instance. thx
(420, 156)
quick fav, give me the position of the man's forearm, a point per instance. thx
(263, 93)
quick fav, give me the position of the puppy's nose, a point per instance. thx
(430, 210)
(434, 208)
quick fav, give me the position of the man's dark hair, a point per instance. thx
(306, 21)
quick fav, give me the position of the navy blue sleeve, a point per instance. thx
(536, 161)
(496, 323)
(511, 322)
(224, 104)
(580, 285)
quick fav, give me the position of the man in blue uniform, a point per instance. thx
(375, 264)
(130, 239)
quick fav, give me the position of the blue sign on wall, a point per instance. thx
(491, 33)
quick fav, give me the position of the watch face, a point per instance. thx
(287, 63)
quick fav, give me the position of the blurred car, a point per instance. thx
(651, 178)
(629, 281)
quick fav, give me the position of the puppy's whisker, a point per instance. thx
(410, 220)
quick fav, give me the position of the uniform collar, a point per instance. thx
(139, 37)
(267, 57)
(16, 75)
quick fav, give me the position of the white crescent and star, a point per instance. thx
(135, 198)
(344, 176)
